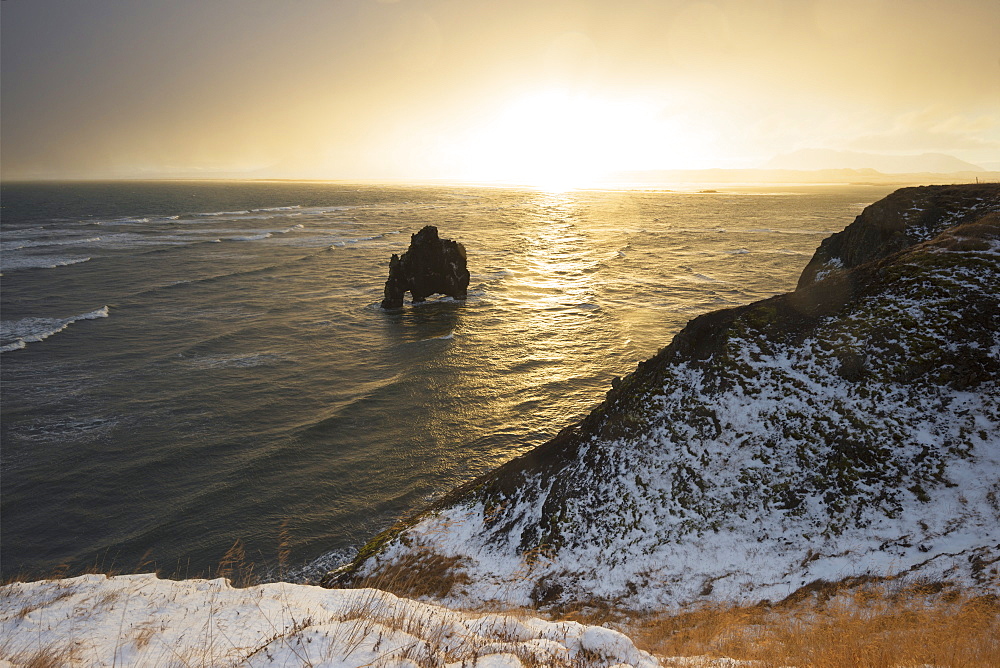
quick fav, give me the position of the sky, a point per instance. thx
(486, 89)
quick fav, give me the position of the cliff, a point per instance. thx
(849, 428)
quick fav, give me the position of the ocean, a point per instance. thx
(186, 365)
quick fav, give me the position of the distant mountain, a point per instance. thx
(820, 158)
(849, 428)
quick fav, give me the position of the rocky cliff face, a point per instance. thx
(851, 427)
(903, 219)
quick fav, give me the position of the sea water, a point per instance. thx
(190, 364)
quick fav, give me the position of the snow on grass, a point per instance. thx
(140, 620)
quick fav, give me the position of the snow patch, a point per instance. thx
(140, 620)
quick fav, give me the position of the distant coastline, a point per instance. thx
(801, 177)
(680, 179)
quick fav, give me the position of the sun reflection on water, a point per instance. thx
(555, 288)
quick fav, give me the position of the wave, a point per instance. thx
(120, 221)
(18, 245)
(260, 235)
(14, 263)
(32, 330)
(343, 242)
(137, 240)
(246, 361)
(209, 214)
(443, 337)
(767, 230)
(252, 237)
(278, 208)
(243, 212)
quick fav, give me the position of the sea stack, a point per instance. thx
(431, 265)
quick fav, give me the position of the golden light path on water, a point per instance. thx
(554, 289)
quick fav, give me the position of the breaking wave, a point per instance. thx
(14, 263)
(18, 245)
(19, 333)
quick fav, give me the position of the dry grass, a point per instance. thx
(41, 657)
(235, 567)
(419, 574)
(874, 624)
(435, 645)
(859, 621)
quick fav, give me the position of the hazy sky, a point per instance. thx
(486, 88)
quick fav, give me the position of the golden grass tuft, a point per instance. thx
(419, 574)
(234, 566)
(871, 625)
(43, 657)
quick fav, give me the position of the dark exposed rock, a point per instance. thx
(904, 218)
(852, 366)
(431, 265)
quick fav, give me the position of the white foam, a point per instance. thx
(444, 299)
(278, 208)
(135, 240)
(443, 337)
(220, 213)
(33, 330)
(14, 262)
(119, 221)
(18, 245)
(252, 237)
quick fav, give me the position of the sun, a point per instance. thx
(556, 140)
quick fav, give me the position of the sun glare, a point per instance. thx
(555, 140)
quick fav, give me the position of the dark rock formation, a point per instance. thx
(904, 218)
(431, 265)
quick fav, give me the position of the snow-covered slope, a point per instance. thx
(140, 620)
(849, 428)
